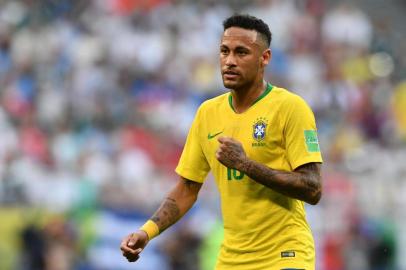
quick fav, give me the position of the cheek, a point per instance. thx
(251, 67)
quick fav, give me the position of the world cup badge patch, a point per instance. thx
(259, 129)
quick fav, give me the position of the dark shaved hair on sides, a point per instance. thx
(249, 22)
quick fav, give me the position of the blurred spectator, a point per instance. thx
(347, 25)
(33, 244)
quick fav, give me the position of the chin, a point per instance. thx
(231, 84)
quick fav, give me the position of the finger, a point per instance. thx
(232, 143)
(130, 253)
(218, 154)
(222, 139)
(223, 147)
(232, 140)
(123, 245)
(127, 250)
(133, 259)
(132, 242)
(220, 159)
(224, 150)
(127, 239)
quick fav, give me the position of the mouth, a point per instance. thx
(230, 74)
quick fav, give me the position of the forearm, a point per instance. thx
(303, 184)
(176, 204)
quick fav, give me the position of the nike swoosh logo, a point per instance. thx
(214, 135)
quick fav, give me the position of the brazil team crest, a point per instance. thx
(259, 129)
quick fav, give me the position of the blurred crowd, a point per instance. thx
(97, 97)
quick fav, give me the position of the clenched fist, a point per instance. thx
(133, 244)
(230, 153)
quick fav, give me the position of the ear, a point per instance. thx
(266, 57)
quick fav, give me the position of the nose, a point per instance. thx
(230, 60)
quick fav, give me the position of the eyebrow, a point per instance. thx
(242, 48)
(236, 48)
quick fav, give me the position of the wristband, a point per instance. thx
(150, 228)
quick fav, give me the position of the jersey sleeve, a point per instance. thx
(302, 145)
(193, 164)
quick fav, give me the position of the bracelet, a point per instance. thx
(151, 228)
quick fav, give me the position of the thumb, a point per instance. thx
(132, 242)
(221, 139)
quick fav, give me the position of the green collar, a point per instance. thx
(266, 92)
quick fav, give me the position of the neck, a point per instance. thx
(243, 98)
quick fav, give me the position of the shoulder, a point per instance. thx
(287, 96)
(289, 100)
(292, 108)
(213, 103)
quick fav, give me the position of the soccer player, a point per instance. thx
(260, 142)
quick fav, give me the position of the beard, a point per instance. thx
(237, 83)
(230, 84)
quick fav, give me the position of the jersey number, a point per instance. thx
(233, 174)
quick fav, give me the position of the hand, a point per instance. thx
(133, 244)
(230, 153)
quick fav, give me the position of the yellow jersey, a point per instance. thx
(263, 229)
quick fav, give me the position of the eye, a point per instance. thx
(223, 51)
(242, 52)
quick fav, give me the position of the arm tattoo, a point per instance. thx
(311, 171)
(167, 214)
(304, 183)
(192, 186)
(178, 202)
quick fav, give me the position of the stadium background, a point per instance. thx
(97, 97)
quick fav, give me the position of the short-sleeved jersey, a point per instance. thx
(263, 229)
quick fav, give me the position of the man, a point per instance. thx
(260, 142)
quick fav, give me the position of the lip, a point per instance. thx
(229, 74)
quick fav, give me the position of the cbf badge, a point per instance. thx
(259, 131)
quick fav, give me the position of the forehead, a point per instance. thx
(239, 36)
